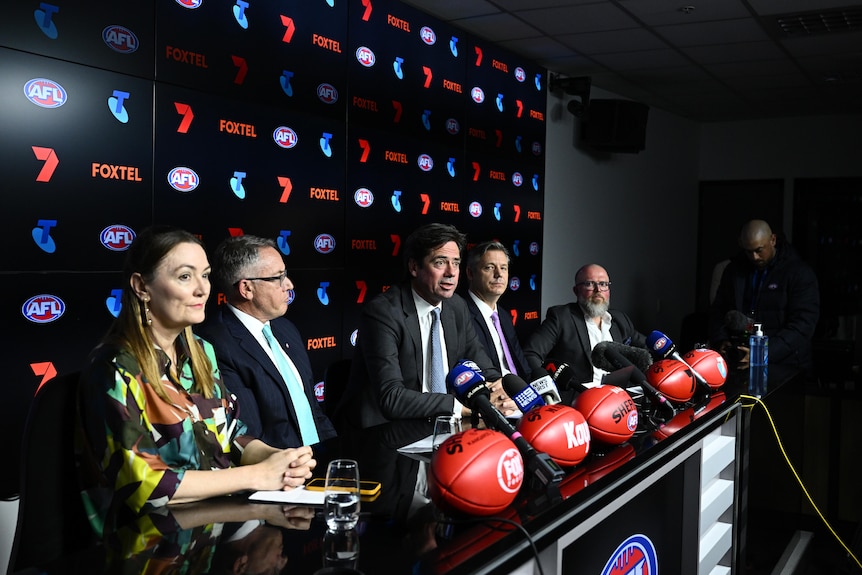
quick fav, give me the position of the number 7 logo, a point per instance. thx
(48, 156)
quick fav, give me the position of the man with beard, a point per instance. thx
(768, 283)
(571, 331)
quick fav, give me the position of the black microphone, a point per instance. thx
(469, 387)
(611, 355)
(522, 393)
(661, 347)
(736, 322)
(564, 376)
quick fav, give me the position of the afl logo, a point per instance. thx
(475, 209)
(520, 75)
(183, 179)
(291, 295)
(426, 163)
(45, 93)
(477, 94)
(324, 243)
(459, 381)
(365, 56)
(534, 248)
(43, 308)
(517, 179)
(285, 137)
(637, 554)
(319, 392)
(428, 36)
(514, 284)
(537, 148)
(327, 93)
(120, 39)
(117, 238)
(660, 343)
(190, 4)
(353, 337)
(632, 421)
(363, 197)
(452, 126)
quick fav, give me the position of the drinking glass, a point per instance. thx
(341, 549)
(341, 494)
(444, 426)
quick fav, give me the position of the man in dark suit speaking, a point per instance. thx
(571, 331)
(260, 353)
(488, 278)
(411, 335)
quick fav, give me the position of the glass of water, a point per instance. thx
(341, 494)
(444, 427)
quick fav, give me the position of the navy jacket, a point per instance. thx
(248, 372)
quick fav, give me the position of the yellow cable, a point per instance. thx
(757, 401)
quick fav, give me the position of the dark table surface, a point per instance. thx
(233, 535)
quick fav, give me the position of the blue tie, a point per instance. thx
(307, 428)
(438, 377)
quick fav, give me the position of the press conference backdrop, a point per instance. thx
(333, 127)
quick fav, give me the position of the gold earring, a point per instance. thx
(149, 320)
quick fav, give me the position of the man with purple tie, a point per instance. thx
(488, 278)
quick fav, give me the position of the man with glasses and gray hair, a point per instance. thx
(571, 331)
(261, 354)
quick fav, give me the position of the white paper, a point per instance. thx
(299, 496)
(421, 446)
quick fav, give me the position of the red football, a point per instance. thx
(475, 472)
(610, 413)
(709, 364)
(673, 379)
(558, 430)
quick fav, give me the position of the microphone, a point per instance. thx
(662, 347)
(611, 355)
(522, 393)
(563, 376)
(546, 387)
(469, 387)
(737, 322)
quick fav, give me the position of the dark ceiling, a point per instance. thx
(707, 60)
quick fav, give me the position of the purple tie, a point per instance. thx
(509, 363)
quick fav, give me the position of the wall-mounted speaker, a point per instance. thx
(617, 126)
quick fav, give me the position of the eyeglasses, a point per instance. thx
(279, 278)
(591, 285)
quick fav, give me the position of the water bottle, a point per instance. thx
(758, 366)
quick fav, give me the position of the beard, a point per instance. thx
(594, 309)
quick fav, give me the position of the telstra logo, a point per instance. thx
(120, 39)
(117, 237)
(114, 302)
(324, 243)
(43, 308)
(45, 93)
(117, 107)
(365, 56)
(183, 179)
(239, 14)
(44, 19)
(285, 137)
(42, 235)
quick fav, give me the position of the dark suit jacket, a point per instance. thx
(563, 337)
(264, 400)
(485, 338)
(386, 374)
